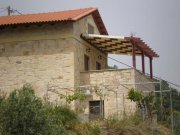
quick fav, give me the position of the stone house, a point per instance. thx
(58, 52)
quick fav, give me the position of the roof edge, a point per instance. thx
(91, 10)
(43, 18)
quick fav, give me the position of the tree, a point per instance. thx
(113, 67)
(145, 102)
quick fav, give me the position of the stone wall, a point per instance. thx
(143, 83)
(42, 56)
(48, 56)
(81, 46)
(115, 85)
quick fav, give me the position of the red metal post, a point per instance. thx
(151, 68)
(133, 56)
(143, 65)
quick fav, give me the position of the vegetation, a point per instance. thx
(133, 125)
(156, 103)
(113, 67)
(23, 113)
(75, 96)
(164, 111)
(146, 103)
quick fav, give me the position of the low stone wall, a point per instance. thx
(143, 83)
(114, 86)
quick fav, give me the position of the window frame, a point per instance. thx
(98, 65)
(86, 62)
(90, 29)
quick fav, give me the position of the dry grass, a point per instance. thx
(132, 126)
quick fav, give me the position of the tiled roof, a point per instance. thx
(69, 15)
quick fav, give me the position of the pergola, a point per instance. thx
(123, 45)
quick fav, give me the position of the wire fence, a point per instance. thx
(102, 101)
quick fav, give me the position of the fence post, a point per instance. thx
(116, 104)
(124, 108)
(172, 117)
(161, 98)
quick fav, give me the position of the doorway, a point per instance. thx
(96, 109)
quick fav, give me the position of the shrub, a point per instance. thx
(24, 113)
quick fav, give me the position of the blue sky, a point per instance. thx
(157, 22)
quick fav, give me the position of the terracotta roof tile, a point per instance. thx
(46, 17)
(69, 15)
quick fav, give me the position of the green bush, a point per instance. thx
(135, 95)
(24, 113)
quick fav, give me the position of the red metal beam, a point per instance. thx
(143, 46)
(143, 65)
(151, 67)
(133, 56)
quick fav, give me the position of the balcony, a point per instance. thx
(108, 89)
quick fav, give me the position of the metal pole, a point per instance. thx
(66, 98)
(116, 104)
(47, 92)
(100, 107)
(161, 99)
(133, 56)
(103, 105)
(139, 83)
(172, 117)
(151, 67)
(9, 10)
(124, 107)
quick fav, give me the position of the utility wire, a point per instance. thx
(10, 10)
(167, 81)
(15, 10)
(120, 62)
(147, 74)
(159, 78)
(3, 10)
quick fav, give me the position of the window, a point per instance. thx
(86, 62)
(96, 109)
(98, 66)
(90, 29)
